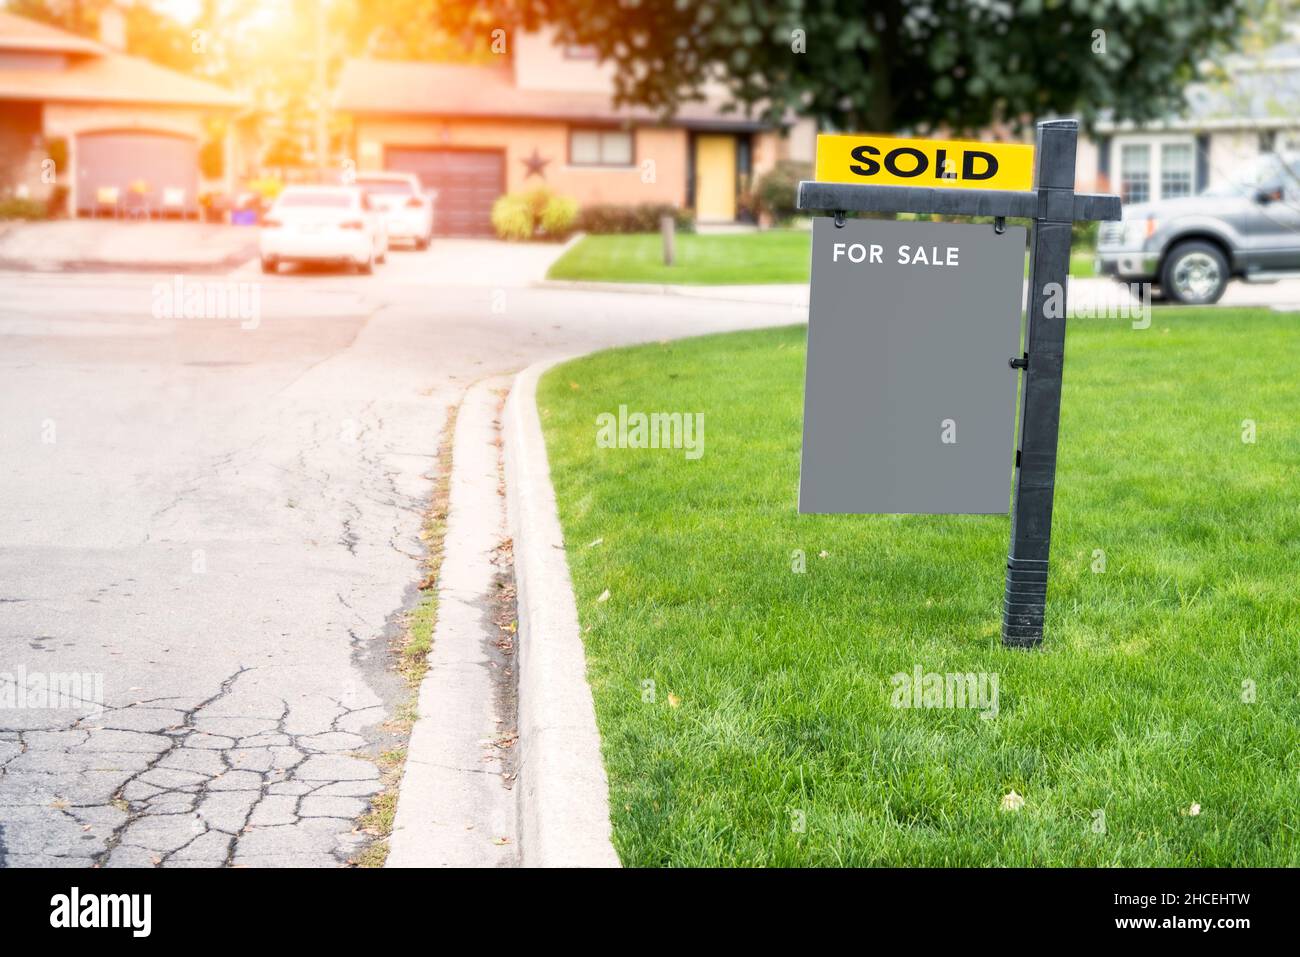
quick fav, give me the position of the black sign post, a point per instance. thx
(1053, 207)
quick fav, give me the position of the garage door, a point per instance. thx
(158, 160)
(468, 183)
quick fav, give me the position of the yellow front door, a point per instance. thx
(715, 178)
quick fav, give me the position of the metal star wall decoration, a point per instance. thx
(535, 164)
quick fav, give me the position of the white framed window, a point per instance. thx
(1135, 172)
(1177, 169)
(601, 148)
(1155, 167)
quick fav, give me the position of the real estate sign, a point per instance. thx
(895, 161)
(908, 402)
(912, 327)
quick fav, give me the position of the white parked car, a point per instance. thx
(408, 209)
(322, 224)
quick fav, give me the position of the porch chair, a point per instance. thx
(136, 205)
(173, 201)
(106, 200)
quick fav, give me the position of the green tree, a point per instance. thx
(888, 65)
(411, 30)
(150, 33)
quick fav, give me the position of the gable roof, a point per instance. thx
(20, 33)
(94, 73)
(399, 87)
(1258, 92)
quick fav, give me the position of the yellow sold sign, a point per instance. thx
(894, 161)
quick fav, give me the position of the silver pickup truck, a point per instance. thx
(1248, 228)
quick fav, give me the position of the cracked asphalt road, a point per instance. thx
(221, 526)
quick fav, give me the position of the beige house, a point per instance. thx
(544, 116)
(130, 129)
(1224, 128)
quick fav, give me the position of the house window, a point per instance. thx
(1135, 172)
(1289, 143)
(1156, 167)
(601, 148)
(1176, 170)
(580, 51)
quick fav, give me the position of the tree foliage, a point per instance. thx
(888, 64)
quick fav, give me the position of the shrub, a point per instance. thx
(643, 218)
(778, 188)
(539, 213)
(512, 218)
(558, 216)
(56, 148)
(19, 207)
(56, 203)
(267, 188)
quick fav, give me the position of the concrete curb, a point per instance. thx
(453, 808)
(562, 789)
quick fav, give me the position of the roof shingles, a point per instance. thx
(398, 87)
(94, 73)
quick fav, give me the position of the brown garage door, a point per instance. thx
(468, 183)
(158, 161)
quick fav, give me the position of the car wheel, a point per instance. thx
(422, 243)
(367, 267)
(382, 257)
(270, 265)
(1195, 273)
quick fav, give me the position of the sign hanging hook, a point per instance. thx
(839, 219)
(999, 224)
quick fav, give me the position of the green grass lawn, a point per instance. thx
(774, 256)
(771, 700)
(1081, 264)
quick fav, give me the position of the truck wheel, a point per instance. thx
(1195, 273)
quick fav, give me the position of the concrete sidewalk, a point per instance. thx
(117, 245)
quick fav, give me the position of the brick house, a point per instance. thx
(131, 130)
(544, 116)
(1225, 126)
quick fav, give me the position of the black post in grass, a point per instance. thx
(1034, 484)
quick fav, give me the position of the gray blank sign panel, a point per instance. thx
(902, 357)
